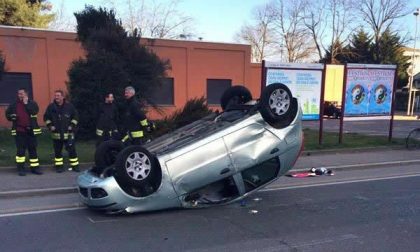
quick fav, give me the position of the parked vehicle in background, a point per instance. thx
(331, 110)
(219, 159)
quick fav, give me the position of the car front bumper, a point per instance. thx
(106, 194)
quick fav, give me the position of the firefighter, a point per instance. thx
(23, 114)
(133, 118)
(106, 127)
(61, 118)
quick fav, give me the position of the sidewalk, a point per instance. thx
(12, 185)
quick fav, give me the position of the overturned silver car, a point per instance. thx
(216, 160)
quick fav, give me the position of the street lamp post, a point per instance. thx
(410, 88)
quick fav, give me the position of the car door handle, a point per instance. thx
(224, 171)
(274, 151)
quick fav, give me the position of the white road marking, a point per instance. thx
(328, 240)
(268, 189)
(37, 191)
(41, 211)
(101, 221)
(376, 164)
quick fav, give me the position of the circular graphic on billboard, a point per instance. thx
(357, 94)
(380, 94)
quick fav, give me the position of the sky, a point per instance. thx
(220, 20)
(214, 20)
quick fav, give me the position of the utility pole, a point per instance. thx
(410, 107)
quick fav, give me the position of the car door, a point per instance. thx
(201, 166)
(251, 145)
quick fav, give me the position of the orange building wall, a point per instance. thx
(47, 56)
(255, 88)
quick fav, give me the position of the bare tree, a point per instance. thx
(279, 28)
(380, 15)
(153, 18)
(314, 16)
(290, 28)
(341, 18)
(63, 21)
(260, 35)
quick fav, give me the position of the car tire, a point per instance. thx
(235, 95)
(136, 167)
(277, 105)
(106, 154)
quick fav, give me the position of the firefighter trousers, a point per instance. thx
(58, 153)
(26, 141)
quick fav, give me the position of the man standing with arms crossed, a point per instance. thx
(23, 115)
(61, 118)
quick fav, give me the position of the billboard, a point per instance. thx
(369, 90)
(303, 80)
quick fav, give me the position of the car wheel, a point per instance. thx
(106, 154)
(136, 167)
(277, 105)
(234, 96)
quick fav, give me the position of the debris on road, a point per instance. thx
(253, 211)
(313, 172)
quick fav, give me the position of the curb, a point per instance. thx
(367, 166)
(43, 167)
(68, 190)
(351, 150)
(37, 192)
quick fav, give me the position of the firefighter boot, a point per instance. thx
(59, 168)
(21, 169)
(74, 164)
(34, 164)
(36, 170)
(59, 165)
(75, 168)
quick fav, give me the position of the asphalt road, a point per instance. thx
(354, 210)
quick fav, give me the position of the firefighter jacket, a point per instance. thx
(133, 118)
(107, 119)
(32, 110)
(61, 117)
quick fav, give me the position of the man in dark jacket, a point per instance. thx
(106, 126)
(61, 118)
(23, 115)
(133, 118)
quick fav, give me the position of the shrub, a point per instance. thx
(193, 110)
(114, 60)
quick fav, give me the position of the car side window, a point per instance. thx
(260, 174)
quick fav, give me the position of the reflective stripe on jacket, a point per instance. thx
(61, 117)
(107, 119)
(133, 118)
(32, 109)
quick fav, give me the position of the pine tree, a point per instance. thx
(25, 13)
(360, 48)
(391, 51)
(337, 53)
(114, 60)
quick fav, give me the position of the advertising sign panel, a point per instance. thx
(303, 80)
(369, 90)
